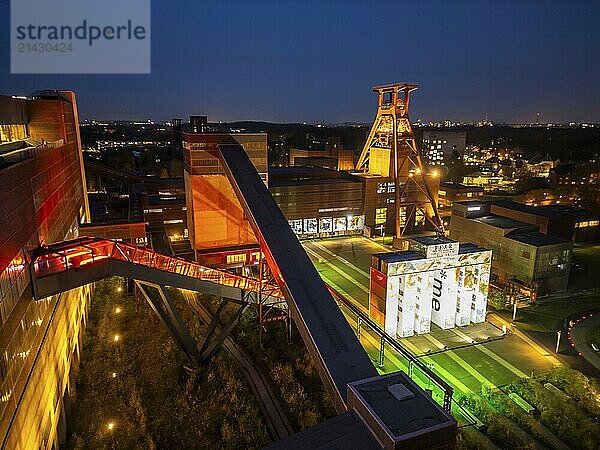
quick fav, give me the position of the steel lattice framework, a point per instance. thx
(391, 151)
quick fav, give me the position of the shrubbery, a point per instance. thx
(569, 420)
(498, 428)
(153, 401)
(497, 299)
(291, 369)
(594, 336)
(575, 384)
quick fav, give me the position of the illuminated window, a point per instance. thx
(205, 162)
(381, 188)
(339, 224)
(325, 225)
(469, 194)
(402, 216)
(232, 259)
(419, 218)
(442, 193)
(594, 223)
(12, 132)
(310, 225)
(296, 226)
(380, 216)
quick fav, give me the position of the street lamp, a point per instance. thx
(116, 338)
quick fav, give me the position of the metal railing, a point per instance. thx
(70, 255)
(413, 361)
(76, 253)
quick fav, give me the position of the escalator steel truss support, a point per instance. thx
(212, 345)
(172, 320)
(267, 281)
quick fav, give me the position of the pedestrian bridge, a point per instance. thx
(69, 264)
(375, 411)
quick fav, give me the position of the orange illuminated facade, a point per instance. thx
(43, 200)
(214, 215)
(391, 164)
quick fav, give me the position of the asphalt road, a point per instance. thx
(579, 335)
(344, 264)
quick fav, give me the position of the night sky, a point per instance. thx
(287, 61)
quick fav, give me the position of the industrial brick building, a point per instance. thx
(318, 202)
(521, 253)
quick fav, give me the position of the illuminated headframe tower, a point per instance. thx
(391, 152)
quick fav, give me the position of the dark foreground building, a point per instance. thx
(43, 200)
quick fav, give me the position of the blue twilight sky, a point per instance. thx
(290, 61)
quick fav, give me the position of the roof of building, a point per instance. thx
(298, 175)
(317, 158)
(471, 203)
(459, 186)
(468, 247)
(535, 238)
(501, 222)
(433, 240)
(392, 257)
(296, 171)
(410, 255)
(563, 169)
(480, 173)
(545, 211)
(388, 394)
(343, 431)
(538, 158)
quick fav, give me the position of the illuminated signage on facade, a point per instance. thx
(324, 226)
(448, 288)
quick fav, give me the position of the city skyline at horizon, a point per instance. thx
(292, 63)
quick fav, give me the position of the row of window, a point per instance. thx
(12, 132)
(586, 224)
(327, 224)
